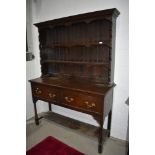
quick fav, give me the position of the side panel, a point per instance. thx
(108, 100)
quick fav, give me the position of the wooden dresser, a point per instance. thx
(77, 64)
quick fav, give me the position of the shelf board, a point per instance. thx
(85, 44)
(76, 62)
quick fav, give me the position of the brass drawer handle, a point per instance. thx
(69, 99)
(90, 105)
(38, 91)
(51, 95)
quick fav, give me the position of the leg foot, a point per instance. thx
(36, 121)
(50, 106)
(100, 148)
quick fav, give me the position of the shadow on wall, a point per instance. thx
(127, 134)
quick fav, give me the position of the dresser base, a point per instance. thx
(100, 133)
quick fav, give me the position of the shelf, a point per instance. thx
(77, 62)
(85, 44)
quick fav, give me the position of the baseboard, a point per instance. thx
(122, 142)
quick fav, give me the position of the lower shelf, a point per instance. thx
(72, 124)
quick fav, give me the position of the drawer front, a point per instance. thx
(45, 93)
(91, 103)
(69, 98)
(82, 101)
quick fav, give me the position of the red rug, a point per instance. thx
(52, 146)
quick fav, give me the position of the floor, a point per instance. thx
(76, 134)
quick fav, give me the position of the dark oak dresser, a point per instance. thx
(77, 64)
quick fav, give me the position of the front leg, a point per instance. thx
(100, 138)
(35, 111)
(50, 106)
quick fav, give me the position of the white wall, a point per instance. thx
(43, 10)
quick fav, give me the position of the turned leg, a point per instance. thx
(35, 111)
(109, 123)
(50, 106)
(100, 140)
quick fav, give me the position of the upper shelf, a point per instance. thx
(85, 44)
(107, 65)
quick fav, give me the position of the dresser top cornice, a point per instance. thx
(77, 18)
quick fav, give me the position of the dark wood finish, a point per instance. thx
(100, 138)
(77, 65)
(35, 112)
(109, 123)
(50, 106)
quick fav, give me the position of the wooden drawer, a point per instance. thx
(45, 93)
(82, 101)
(91, 103)
(69, 98)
